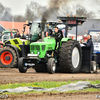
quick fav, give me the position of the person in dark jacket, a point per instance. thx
(58, 36)
(17, 35)
(89, 43)
(23, 36)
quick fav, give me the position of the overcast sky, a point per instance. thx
(19, 6)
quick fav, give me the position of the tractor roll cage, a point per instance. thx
(72, 21)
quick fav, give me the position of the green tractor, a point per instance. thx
(11, 51)
(43, 56)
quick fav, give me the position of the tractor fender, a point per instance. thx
(65, 39)
(18, 52)
(1, 45)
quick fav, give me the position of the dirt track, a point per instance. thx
(55, 96)
(12, 75)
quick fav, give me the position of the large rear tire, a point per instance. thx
(22, 68)
(70, 56)
(8, 57)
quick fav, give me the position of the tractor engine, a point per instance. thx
(41, 48)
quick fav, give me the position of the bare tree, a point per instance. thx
(7, 16)
(1, 8)
(77, 10)
(33, 11)
(5, 13)
(98, 4)
(65, 10)
(19, 18)
(29, 15)
(81, 11)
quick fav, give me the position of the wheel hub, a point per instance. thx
(54, 67)
(7, 58)
(94, 67)
(75, 57)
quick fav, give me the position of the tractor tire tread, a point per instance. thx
(65, 56)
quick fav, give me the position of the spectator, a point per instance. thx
(17, 35)
(89, 43)
(23, 36)
(27, 36)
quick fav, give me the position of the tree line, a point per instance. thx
(34, 11)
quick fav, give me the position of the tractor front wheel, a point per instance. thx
(22, 68)
(93, 66)
(51, 66)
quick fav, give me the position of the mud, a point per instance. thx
(54, 96)
(12, 75)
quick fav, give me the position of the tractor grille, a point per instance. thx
(32, 47)
(35, 47)
(43, 47)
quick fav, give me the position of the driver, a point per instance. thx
(58, 36)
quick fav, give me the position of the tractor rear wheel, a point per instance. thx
(40, 68)
(70, 56)
(8, 57)
(21, 67)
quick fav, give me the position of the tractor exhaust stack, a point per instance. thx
(42, 36)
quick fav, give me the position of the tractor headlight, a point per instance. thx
(32, 52)
(38, 52)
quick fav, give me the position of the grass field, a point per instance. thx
(49, 84)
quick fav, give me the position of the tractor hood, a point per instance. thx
(16, 42)
(42, 47)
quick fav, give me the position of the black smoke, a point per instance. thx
(52, 10)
